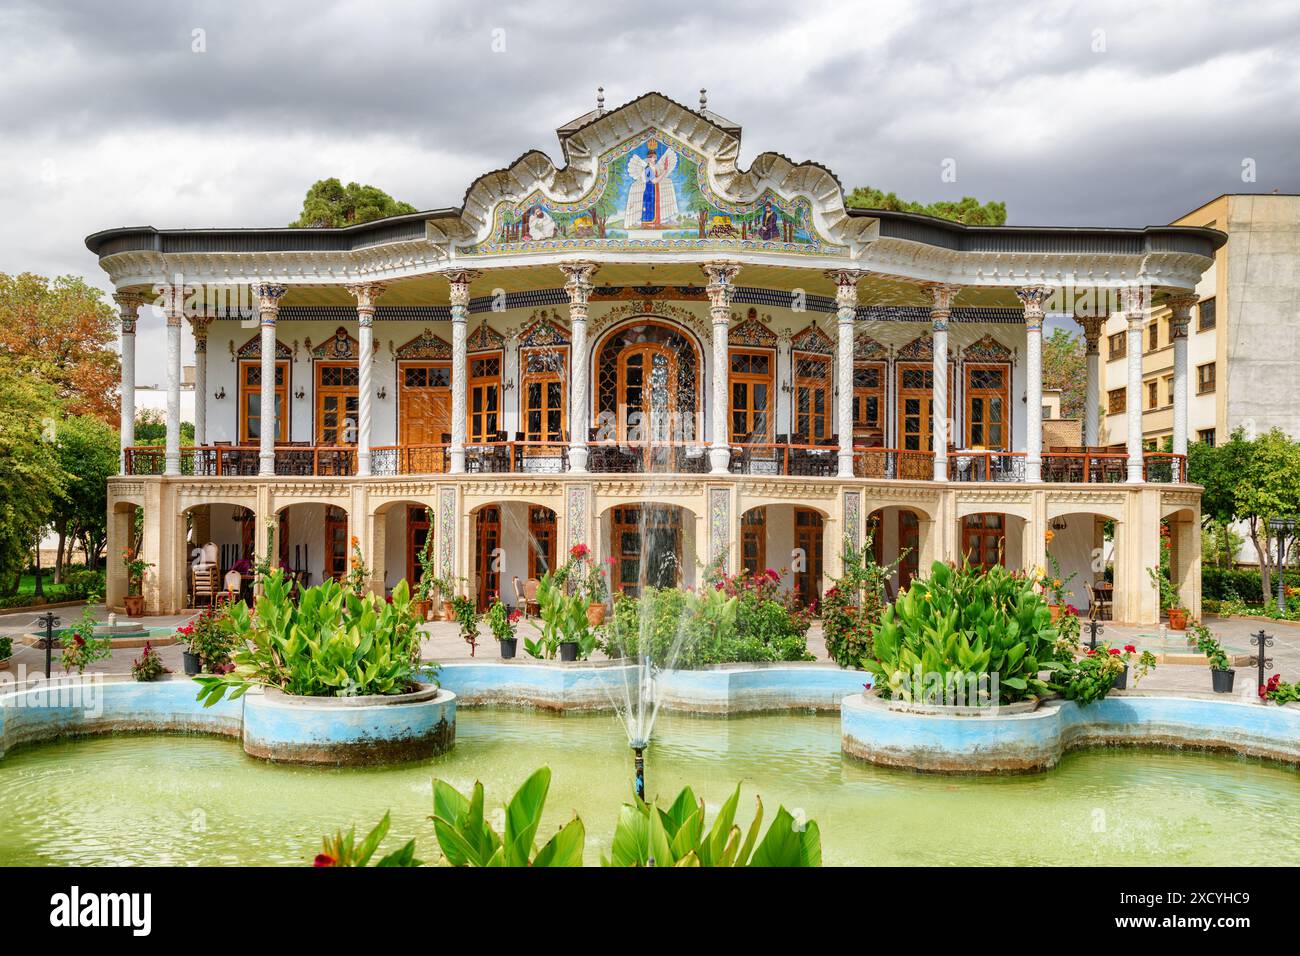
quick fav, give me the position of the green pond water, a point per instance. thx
(195, 800)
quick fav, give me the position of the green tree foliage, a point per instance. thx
(151, 428)
(30, 476)
(967, 210)
(1065, 367)
(329, 203)
(1270, 489)
(87, 450)
(1219, 469)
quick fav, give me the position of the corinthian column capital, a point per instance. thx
(367, 295)
(1092, 326)
(942, 296)
(459, 280)
(128, 304)
(1134, 300)
(720, 288)
(577, 281)
(1034, 298)
(1181, 307)
(268, 295)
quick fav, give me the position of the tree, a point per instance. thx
(63, 331)
(151, 428)
(967, 210)
(1270, 489)
(1220, 469)
(329, 203)
(30, 477)
(87, 450)
(1066, 367)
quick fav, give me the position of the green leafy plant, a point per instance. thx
(563, 618)
(136, 567)
(1055, 584)
(647, 835)
(6, 648)
(342, 849)
(331, 643)
(263, 568)
(467, 839)
(358, 572)
(1161, 579)
(1092, 677)
(502, 620)
(960, 623)
(1209, 645)
(853, 605)
(148, 666)
(429, 582)
(1279, 692)
(208, 637)
(81, 647)
(467, 617)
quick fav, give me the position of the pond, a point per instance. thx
(166, 800)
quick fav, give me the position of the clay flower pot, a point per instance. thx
(596, 614)
(134, 604)
(1177, 619)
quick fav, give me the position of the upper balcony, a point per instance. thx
(1069, 466)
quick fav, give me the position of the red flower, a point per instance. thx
(1130, 649)
(79, 640)
(1263, 692)
(324, 859)
(1092, 651)
(579, 551)
(1115, 651)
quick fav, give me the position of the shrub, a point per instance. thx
(330, 644)
(960, 623)
(82, 582)
(342, 849)
(563, 617)
(210, 638)
(1242, 584)
(6, 647)
(1091, 677)
(148, 666)
(853, 605)
(81, 647)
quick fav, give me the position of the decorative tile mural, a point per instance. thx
(853, 517)
(485, 339)
(814, 340)
(719, 521)
(653, 192)
(987, 349)
(253, 349)
(577, 515)
(340, 345)
(447, 532)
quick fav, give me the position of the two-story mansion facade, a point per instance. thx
(651, 351)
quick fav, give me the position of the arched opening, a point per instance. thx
(991, 539)
(647, 384)
(312, 542)
(896, 535)
(218, 540)
(790, 541)
(516, 543)
(648, 543)
(1077, 552)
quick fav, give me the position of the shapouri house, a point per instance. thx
(649, 350)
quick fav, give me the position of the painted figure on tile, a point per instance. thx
(769, 226)
(539, 224)
(652, 199)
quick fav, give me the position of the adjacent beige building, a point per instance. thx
(1243, 341)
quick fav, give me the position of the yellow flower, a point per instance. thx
(1056, 582)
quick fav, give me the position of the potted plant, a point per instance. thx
(502, 621)
(148, 666)
(81, 646)
(1055, 586)
(135, 566)
(1098, 672)
(190, 656)
(564, 626)
(6, 651)
(1170, 601)
(1221, 671)
(422, 599)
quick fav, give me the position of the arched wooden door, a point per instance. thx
(486, 568)
(646, 543)
(808, 539)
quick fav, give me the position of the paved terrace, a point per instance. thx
(443, 643)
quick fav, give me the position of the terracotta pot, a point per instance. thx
(422, 609)
(1177, 619)
(448, 612)
(1056, 612)
(595, 614)
(134, 604)
(4, 664)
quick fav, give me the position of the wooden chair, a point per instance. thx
(520, 601)
(1104, 606)
(531, 607)
(203, 584)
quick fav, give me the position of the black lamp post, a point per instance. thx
(49, 622)
(1282, 527)
(1262, 641)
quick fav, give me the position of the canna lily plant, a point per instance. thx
(960, 622)
(467, 839)
(331, 643)
(649, 836)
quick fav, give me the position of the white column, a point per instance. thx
(846, 313)
(128, 304)
(1182, 313)
(367, 295)
(199, 325)
(940, 310)
(1092, 327)
(1033, 298)
(721, 290)
(268, 308)
(173, 308)
(578, 285)
(1133, 300)
(459, 281)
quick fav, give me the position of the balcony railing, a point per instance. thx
(771, 458)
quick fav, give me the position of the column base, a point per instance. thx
(578, 459)
(1033, 470)
(457, 461)
(266, 463)
(720, 460)
(941, 469)
(363, 464)
(846, 464)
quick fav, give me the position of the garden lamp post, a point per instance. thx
(1282, 527)
(49, 622)
(1263, 642)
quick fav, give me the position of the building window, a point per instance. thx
(1153, 395)
(915, 397)
(1169, 389)
(869, 403)
(250, 402)
(1116, 401)
(983, 539)
(1205, 317)
(1205, 378)
(544, 395)
(1117, 345)
(484, 399)
(1206, 436)
(986, 406)
(812, 399)
(1153, 336)
(336, 404)
(751, 395)
(753, 545)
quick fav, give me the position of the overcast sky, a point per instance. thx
(223, 113)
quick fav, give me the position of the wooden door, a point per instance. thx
(983, 539)
(808, 539)
(812, 399)
(424, 403)
(483, 399)
(750, 398)
(250, 402)
(753, 541)
(987, 404)
(869, 402)
(909, 539)
(336, 404)
(488, 541)
(541, 541)
(417, 532)
(647, 383)
(649, 549)
(336, 543)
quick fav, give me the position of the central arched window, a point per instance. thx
(647, 385)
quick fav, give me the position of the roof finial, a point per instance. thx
(704, 99)
(600, 99)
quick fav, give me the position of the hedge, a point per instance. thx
(1222, 584)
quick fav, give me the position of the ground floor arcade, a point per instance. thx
(491, 534)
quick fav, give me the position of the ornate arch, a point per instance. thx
(253, 349)
(986, 349)
(427, 346)
(340, 346)
(813, 339)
